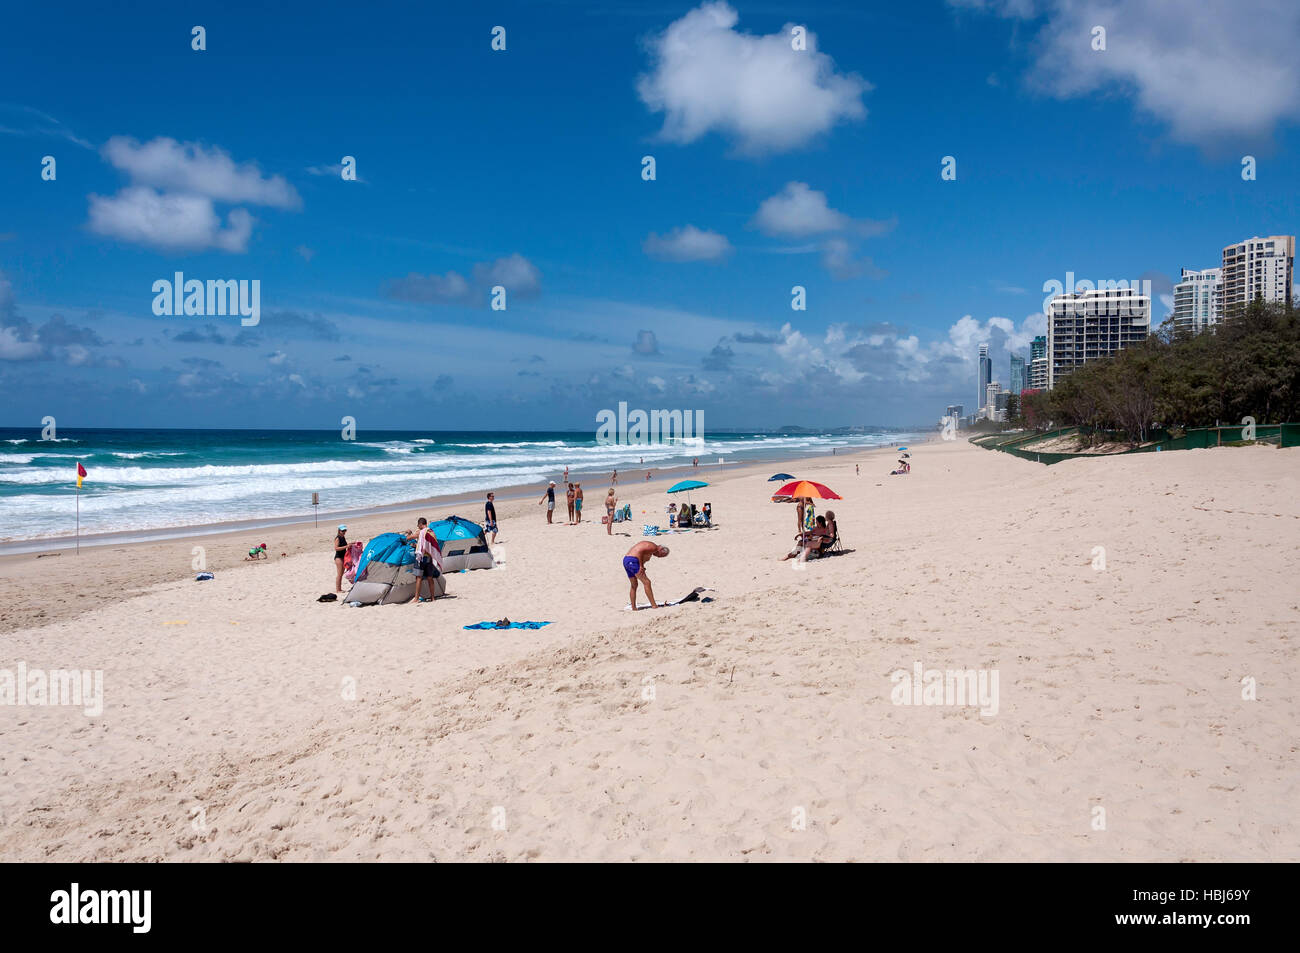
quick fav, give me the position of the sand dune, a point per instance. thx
(708, 731)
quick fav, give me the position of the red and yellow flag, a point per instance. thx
(81, 474)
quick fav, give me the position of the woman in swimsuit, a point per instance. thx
(340, 550)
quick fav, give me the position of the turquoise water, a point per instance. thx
(148, 479)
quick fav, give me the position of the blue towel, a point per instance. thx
(512, 625)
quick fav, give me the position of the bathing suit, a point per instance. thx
(577, 505)
(631, 566)
(340, 547)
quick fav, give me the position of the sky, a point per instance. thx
(793, 145)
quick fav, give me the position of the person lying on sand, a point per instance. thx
(634, 565)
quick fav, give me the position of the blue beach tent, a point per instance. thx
(386, 573)
(462, 543)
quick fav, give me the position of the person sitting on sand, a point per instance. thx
(257, 552)
(708, 514)
(340, 550)
(672, 514)
(634, 565)
(810, 542)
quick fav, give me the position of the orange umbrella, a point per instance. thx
(806, 488)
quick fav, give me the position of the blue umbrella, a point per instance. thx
(686, 486)
(902, 448)
(780, 476)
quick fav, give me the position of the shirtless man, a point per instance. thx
(634, 565)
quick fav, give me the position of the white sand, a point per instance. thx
(1118, 689)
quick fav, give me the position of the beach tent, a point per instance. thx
(462, 543)
(386, 573)
(780, 476)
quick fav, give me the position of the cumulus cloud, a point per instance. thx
(645, 343)
(171, 201)
(759, 91)
(687, 243)
(798, 211)
(168, 221)
(838, 259)
(189, 168)
(520, 277)
(1210, 71)
(55, 340)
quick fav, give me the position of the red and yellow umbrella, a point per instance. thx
(804, 488)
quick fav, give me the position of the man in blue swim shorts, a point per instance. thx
(634, 565)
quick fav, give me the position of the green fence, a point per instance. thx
(1200, 438)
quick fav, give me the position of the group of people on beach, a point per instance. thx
(816, 534)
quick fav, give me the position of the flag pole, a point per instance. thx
(78, 520)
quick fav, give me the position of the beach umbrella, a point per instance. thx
(902, 448)
(779, 476)
(685, 486)
(802, 488)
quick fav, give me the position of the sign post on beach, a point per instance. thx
(315, 502)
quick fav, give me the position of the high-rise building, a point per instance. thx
(1038, 363)
(1198, 301)
(1090, 325)
(991, 391)
(1258, 268)
(986, 375)
(1017, 373)
(954, 410)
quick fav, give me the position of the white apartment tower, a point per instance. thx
(1198, 301)
(1258, 268)
(1090, 325)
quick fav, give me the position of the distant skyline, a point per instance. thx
(523, 169)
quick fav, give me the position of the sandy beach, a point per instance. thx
(243, 720)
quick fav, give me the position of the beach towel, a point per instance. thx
(692, 596)
(351, 557)
(203, 577)
(510, 625)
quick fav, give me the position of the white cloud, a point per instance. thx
(797, 211)
(168, 221)
(519, 276)
(169, 204)
(1211, 71)
(839, 260)
(188, 168)
(687, 243)
(756, 90)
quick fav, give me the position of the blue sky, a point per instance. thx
(775, 167)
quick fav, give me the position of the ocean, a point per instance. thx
(152, 479)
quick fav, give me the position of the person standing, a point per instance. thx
(568, 499)
(611, 504)
(857, 469)
(565, 478)
(613, 478)
(490, 517)
(577, 502)
(634, 565)
(549, 499)
(340, 551)
(428, 555)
